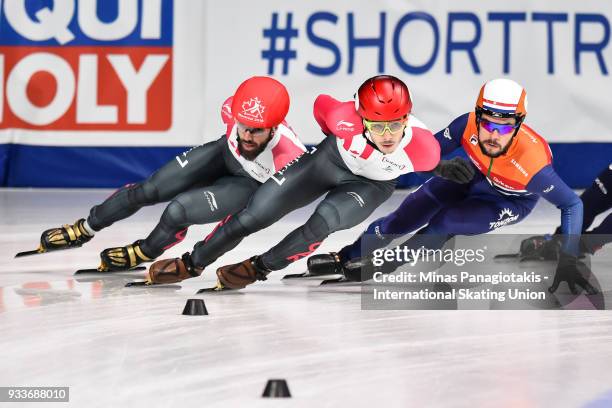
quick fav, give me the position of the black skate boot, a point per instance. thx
(325, 264)
(353, 270)
(67, 236)
(540, 248)
(122, 258)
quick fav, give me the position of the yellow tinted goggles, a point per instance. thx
(379, 128)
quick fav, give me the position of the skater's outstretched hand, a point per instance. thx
(456, 169)
(574, 272)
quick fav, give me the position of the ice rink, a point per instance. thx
(128, 347)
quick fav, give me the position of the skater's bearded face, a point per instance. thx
(253, 141)
(386, 135)
(495, 135)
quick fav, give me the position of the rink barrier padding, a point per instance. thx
(108, 167)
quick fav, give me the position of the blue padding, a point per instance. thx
(579, 163)
(5, 150)
(45, 166)
(576, 163)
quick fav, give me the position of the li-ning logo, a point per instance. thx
(253, 109)
(474, 140)
(447, 134)
(344, 125)
(501, 221)
(549, 189)
(357, 198)
(212, 202)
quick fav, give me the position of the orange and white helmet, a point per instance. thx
(502, 98)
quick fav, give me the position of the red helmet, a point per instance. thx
(260, 102)
(383, 97)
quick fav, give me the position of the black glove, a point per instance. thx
(572, 271)
(456, 169)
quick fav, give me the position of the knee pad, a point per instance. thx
(316, 228)
(250, 223)
(143, 194)
(330, 214)
(174, 215)
(323, 222)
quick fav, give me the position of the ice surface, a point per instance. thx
(120, 347)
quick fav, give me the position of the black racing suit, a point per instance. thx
(203, 185)
(350, 200)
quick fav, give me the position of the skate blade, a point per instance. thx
(40, 251)
(507, 258)
(147, 284)
(28, 253)
(337, 281)
(511, 258)
(308, 276)
(215, 289)
(306, 279)
(98, 271)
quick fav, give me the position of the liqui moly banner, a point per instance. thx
(102, 72)
(86, 65)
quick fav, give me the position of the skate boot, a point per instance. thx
(67, 236)
(325, 264)
(360, 269)
(172, 270)
(354, 270)
(122, 258)
(238, 276)
(540, 248)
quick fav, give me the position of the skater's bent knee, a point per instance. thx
(175, 214)
(316, 228)
(143, 194)
(251, 223)
(330, 213)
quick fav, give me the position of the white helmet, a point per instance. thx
(502, 98)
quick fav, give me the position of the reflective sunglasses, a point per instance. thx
(379, 128)
(502, 128)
